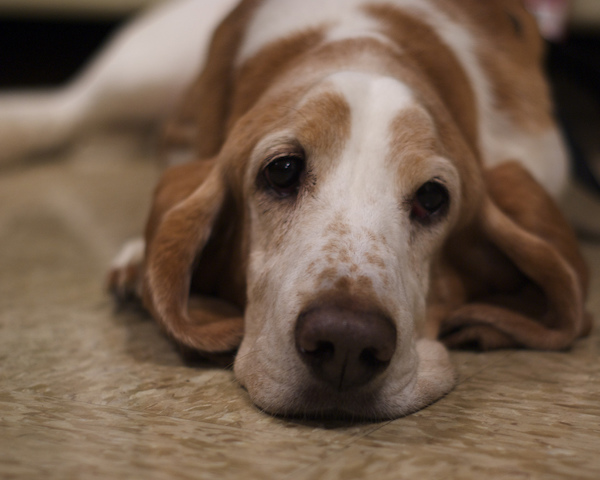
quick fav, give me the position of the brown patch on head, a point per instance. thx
(224, 92)
(324, 124)
(262, 70)
(319, 126)
(413, 136)
(418, 135)
(441, 86)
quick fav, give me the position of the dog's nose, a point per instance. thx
(343, 347)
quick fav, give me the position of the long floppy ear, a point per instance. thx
(523, 278)
(190, 246)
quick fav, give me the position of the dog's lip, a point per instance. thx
(321, 404)
(319, 401)
(348, 407)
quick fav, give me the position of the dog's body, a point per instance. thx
(136, 79)
(370, 176)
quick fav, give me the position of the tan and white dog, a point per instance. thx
(371, 180)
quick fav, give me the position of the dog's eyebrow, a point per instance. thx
(324, 124)
(412, 134)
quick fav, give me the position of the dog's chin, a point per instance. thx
(385, 399)
(323, 403)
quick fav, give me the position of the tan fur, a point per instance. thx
(533, 296)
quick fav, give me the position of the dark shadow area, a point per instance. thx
(42, 52)
(574, 70)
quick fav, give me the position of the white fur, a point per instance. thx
(137, 78)
(132, 253)
(544, 155)
(125, 277)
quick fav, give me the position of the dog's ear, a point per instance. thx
(191, 285)
(517, 276)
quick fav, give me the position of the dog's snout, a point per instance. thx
(343, 347)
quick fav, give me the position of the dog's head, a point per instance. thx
(344, 224)
(350, 226)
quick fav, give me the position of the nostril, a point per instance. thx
(323, 351)
(373, 358)
(344, 347)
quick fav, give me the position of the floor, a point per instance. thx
(88, 391)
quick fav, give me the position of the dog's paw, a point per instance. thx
(125, 275)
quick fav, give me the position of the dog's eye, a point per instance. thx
(284, 173)
(431, 199)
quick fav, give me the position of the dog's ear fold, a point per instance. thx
(186, 233)
(522, 278)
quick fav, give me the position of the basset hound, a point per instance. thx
(371, 182)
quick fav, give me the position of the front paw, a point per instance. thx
(125, 275)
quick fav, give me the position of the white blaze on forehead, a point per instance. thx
(374, 102)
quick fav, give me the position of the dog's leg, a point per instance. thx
(136, 78)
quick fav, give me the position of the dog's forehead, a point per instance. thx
(363, 124)
(370, 97)
(359, 131)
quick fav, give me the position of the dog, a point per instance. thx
(356, 186)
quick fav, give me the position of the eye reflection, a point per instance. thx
(284, 174)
